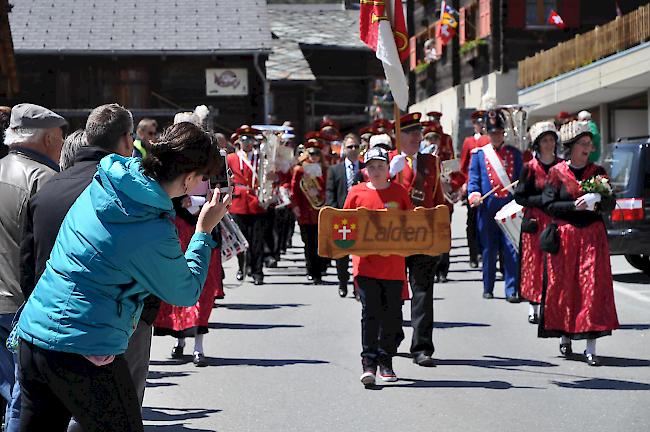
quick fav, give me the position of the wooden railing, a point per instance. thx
(618, 35)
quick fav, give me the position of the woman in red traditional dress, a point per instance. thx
(578, 300)
(181, 322)
(528, 194)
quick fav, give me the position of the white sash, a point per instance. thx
(243, 157)
(495, 161)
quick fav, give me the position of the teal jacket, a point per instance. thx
(117, 245)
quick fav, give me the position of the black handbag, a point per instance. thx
(549, 239)
(529, 226)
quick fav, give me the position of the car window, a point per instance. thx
(621, 165)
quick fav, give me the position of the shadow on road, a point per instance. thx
(175, 414)
(174, 428)
(448, 325)
(216, 361)
(158, 375)
(493, 385)
(634, 327)
(495, 362)
(613, 361)
(603, 384)
(242, 326)
(255, 306)
(637, 277)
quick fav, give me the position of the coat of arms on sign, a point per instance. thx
(345, 232)
(226, 82)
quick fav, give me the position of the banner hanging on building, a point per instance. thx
(226, 82)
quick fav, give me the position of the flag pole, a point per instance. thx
(398, 134)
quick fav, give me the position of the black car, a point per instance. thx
(628, 227)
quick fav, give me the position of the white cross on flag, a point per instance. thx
(555, 19)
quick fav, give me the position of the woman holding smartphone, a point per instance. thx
(116, 246)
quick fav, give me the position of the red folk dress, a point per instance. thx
(578, 300)
(178, 321)
(528, 193)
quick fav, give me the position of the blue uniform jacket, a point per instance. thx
(480, 182)
(116, 245)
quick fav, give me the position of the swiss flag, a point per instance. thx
(555, 19)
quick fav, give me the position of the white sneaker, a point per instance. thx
(368, 378)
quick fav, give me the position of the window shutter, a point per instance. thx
(484, 18)
(461, 26)
(570, 12)
(516, 14)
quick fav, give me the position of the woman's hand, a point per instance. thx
(213, 211)
(580, 204)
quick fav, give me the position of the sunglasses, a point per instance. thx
(353, 146)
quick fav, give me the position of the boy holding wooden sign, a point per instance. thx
(379, 279)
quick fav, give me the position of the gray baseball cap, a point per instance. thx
(30, 116)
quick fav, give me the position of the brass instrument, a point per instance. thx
(268, 152)
(516, 126)
(310, 186)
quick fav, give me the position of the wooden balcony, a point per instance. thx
(616, 36)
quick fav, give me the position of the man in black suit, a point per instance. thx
(340, 178)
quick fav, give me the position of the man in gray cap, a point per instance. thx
(34, 138)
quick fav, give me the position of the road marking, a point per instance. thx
(631, 293)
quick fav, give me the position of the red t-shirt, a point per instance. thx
(390, 267)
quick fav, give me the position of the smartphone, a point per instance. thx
(221, 180)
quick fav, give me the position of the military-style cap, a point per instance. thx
(410, 122)
(435, 114)
(477, 116)
(381, 140)
(368, 130)
(376, 153)
(432, 129)
(382, 123)
(328, 122)
(30, 116)
(246, 130)
(314, 136)
(494, 121)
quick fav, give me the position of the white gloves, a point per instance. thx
(591, 199)
(474, 199)
(397, 164)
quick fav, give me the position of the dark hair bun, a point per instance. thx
(182, 148)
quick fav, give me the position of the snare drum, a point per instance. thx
(509, 219)
(233, 241)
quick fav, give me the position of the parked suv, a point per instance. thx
(628, 227)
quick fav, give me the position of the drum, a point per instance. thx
(233, 241)
(509, 219)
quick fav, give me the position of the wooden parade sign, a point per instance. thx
(365, 232)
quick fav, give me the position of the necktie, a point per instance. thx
(409, 161)
(351, 175)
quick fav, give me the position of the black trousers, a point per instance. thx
(381, 317)
(252, 226)
(283, 220)
(55, 386)
(472, 234)
(443, 265)
(342, 269)
(315, 264)
(269, 233)
(421, 270)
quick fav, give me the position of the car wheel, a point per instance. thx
(641, 262)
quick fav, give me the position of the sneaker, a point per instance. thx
(368, 377)
(488, 296)
(386, 372)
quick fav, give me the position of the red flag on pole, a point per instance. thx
(382, 27)
(555, 19)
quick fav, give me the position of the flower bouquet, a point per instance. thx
(598, 184)
(594, 189)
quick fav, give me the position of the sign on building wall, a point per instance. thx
(226, 82)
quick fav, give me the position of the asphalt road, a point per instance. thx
(285, 357)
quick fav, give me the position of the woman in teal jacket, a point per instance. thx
(117, 245)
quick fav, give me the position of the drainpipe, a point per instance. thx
(267, 86)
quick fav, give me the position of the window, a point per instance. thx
(537, 12)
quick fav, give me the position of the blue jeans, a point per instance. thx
(494, 240)
(9, 385)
